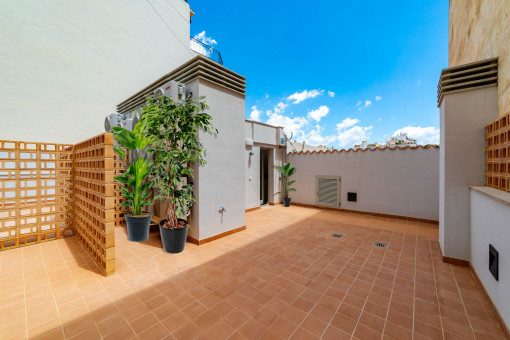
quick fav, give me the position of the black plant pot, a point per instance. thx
(138, 227)
(286, 202)
(173, 239)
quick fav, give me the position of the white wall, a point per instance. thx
(402, 182)
(490, 224)
(263, 136)
(463, 119)
(65, 65)
(220, 182)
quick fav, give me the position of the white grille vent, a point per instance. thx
(328, 190)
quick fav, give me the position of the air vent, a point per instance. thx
(466, 77)
(328, 188)
(337, 235)
(380, 244)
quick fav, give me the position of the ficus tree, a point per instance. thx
(176, 146)
(287, 171)
(135, 186)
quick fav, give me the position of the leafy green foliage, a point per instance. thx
(176, 147)
(287, 171)
(135, 186)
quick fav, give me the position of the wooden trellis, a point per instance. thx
(498, 153)
(49, 191)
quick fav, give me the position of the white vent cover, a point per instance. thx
(328, 191)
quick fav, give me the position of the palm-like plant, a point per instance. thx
(287, 171)
(135, 189)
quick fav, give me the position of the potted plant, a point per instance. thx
(135, 188)
(175, 127)
(286, 171)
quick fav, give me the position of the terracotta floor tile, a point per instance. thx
(266, 281)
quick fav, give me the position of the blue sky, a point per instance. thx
(334, 72)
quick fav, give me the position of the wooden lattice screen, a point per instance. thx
(50, 191)
(498, 153)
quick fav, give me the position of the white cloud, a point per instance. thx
(290, 125)
(418, 82)
(423, 135)
(380, 119)
(205, 39)
(377, 98)
(299, 97)
(280, 107)
(349, 133)
(331, 94)
(347, 122)
(316, 115)
(255, 114)
(267, 95)
(368, 103)
(358, 103)
(353, 135)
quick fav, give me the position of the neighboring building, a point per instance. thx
(400, 140)
(64, 65)
(295, 146)
(364, 145)
(473, 92)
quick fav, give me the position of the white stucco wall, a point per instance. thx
(463, 119)
(402, 182)
(490, 224)
(265, 137)
(65, 65)
(220, 182)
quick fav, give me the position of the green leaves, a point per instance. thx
(287, 171)
(135, 187)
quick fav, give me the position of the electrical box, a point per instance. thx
(280, 137)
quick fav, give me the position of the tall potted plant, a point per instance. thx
(286, 171)
(175, 127)
(135, 186)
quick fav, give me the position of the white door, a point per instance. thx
(328, 191)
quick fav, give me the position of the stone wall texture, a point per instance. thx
(478, 30)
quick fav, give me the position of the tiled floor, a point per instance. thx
(284, 277)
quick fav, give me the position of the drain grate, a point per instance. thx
(380, 244)
(337, 235)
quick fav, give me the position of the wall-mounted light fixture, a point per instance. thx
(252, 153)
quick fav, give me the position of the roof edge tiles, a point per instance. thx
(197, 67)
(363, 150)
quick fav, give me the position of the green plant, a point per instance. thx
(135, 188)
(176, 147)
(287, 171)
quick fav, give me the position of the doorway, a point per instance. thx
(264, 176)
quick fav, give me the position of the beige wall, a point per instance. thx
(402, 182)
(478, 30)
(65, 65)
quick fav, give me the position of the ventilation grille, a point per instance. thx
(327, 191)
(380, 244)
(469, 76)
(337, 235)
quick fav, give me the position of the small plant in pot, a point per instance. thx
(135, 186)
(286, 171)
(176, 147)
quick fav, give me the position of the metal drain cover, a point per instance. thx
(337, 235)
(380, 244)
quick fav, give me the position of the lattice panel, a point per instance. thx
(36, 192)
(498, 153)
(95, 200)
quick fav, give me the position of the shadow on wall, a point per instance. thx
(272, 270)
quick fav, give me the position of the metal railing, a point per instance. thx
(205, 50)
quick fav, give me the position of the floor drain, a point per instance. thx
(337, 235)
(380, 244)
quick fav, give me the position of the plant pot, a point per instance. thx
(173, 240)
(138, 227)
(286, 202)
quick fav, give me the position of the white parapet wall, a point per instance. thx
(401, 181)
(490, 224)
